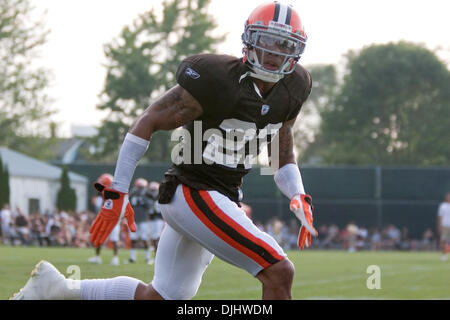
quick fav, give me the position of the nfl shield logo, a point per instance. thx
(264, 109)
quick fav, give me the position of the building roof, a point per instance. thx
(67, 151)
(22, 165)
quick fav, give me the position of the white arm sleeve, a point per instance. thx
(132, 150)
(289, 180)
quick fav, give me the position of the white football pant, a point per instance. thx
(199, 225)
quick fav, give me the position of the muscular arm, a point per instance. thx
(287, 175)
(174, 109)
(285, 145)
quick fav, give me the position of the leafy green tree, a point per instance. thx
(4, 184)
(306, 128)
(393, 108)
(67, 198)
(24, 108)
(142, 64)
(2, 195)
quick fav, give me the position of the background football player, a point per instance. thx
(200, 201)
(142, 203)
(156, 223)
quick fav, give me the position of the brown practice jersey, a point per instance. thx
(217, 150)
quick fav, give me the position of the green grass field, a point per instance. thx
(319, 274)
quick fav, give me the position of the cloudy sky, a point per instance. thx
(80, 28)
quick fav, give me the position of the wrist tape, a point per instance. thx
(289, 180)
(132, 150)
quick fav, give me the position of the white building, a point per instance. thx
(34, 184)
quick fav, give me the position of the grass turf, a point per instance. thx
(319, 274)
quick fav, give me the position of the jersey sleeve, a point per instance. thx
(306, 92)
(203, 77)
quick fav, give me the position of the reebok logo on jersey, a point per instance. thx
(264, 109)
(108, 204)
(192, 73)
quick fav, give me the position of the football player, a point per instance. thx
(141, 202)
(106, 180)
(217, 96)
(156, 223)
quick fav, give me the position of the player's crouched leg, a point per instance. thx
(147, 292)
(277, 280)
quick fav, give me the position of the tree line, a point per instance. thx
(389, 106)
(4, 184)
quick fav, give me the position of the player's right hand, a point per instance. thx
(115, 207)
(301, 205)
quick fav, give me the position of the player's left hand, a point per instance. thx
(301, 206)
(116, 206)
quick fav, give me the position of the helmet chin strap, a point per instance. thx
(260, 74)
(268, 78)
(265, 76)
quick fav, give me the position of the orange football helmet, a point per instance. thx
(106, 180)
(153, 189)
(276, 29)
(141, 183)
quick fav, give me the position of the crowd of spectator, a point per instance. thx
(71, 229)
(58, 228)
(351, 237)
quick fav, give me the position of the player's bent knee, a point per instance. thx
(280, 273)
(147, 292)
(180, 293)
(285, 271)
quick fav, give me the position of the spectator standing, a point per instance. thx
(293, 233)
(443, 226)
(332, 238)
(392, 237)
(22, 227)
(361, 242)
(6, 219)
(81, 238)
(52, 229)
(353, 231)
(323, 231)
(37, 228)
(375, 239)
(427, 239)
(343, 238)
(405, 241)
(276, 231)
